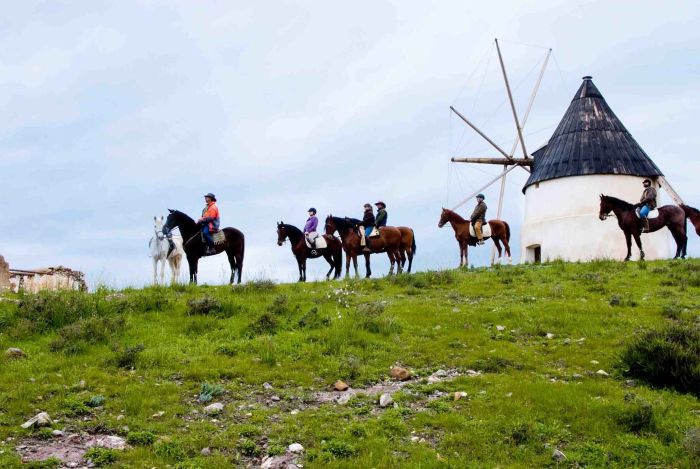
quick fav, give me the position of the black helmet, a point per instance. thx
(646, 180)
(211, 196)
(480, 196)
(312, 210)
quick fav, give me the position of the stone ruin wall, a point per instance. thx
(33, 281)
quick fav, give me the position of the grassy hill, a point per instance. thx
(143, 364)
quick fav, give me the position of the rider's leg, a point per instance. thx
(365, 234)
(208, 238)
(478, 231)
(644, 213)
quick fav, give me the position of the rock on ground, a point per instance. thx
(340, 386)
(41, 419)
(400, 374)
(385, 400)
(213, 409)
(558, 455)
(14, 352)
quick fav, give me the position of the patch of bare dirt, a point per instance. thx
(69, 449)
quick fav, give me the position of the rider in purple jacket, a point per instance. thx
(310, 229)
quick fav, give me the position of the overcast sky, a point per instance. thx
(113, 112)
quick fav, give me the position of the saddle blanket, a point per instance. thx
(485, 229)
(653, 214)
(374, 233)
(320, 243)
(219, 237)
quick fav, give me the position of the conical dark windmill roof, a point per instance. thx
(590, 139)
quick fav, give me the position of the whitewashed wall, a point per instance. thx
(561, 216)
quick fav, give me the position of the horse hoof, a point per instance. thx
(627, 259)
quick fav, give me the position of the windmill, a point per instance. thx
(590, 152)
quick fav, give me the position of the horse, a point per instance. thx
(408, 246)
(389, 241)
(194, 246)
(694, 215)
(162, 252)
(333, 253)
(670, 216)
(500, 233)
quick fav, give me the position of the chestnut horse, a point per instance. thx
(670, 216)
(389, 241)
(333, 253)
(194, 247)
(500, 233)
(407, 249)
(694, 215)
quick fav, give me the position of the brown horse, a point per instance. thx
(408, 246)
(333, 253)
(500, 233)
(670, 216)
(694, 215)
(389, 241)
(194, 247)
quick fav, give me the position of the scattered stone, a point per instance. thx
(120, 417)
(267, 386)
(459, 394)
(415, 439)
(577, 376)
(81, 384)
(385, 400)
(558, 455)
(158, 415)
(295, 448)
(630, 383)
(57, 433)
(601, 373)
(213, 409)
(594, 362)
(110, 442)
(294, 411)
(549, 335)
(510, 394)
(567, 341)
(500, 328)
(473, 373)
(205, 451)
(14, 352)
(41, 419)
(344, 399)
(400, 374)
(275, 398)
(340, 386)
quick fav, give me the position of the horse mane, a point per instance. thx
(291, 229)
(340, 223)
(354, 221)
(616, 201)
(459, 217)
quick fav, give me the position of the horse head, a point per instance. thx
(444, 217)
(158, 226)
(330, 225)
(605, 207)
(281, 233)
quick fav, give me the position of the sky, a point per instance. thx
(113, 112)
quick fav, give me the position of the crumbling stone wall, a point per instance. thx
(4, 275)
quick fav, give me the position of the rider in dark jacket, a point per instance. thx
(647, 203)
(382, 216)
(368, 223)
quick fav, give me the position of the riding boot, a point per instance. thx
(210, 251)
(645, 221)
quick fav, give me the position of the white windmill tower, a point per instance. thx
(590, 153)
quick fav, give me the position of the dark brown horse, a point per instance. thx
(694, 215)
(333, 253)
(670, 216)
(500, 233)
(389, 241)
(194, 246)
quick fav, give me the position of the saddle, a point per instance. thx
(652, 214)
(217, 236)
(374, 233)
(320, 243)
(485, 229)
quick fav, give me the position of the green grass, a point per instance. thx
(178, 349)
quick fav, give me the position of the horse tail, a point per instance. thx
(413, 242)
(507, 231)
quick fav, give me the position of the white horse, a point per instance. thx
(159, 252)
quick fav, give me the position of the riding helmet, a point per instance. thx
(646, 180)
(211, 196)
(312, 210)
(480, 196)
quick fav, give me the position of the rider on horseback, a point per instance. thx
(478, 218)
(382, 216)
(210, 222)
(646, 204)
(368, 223)
(310, 230)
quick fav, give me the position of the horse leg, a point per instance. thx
(348, 258)
(155, 271)
(354, 265)
(367, 269)
(329, 258)
(628, 239)
(192, 262)
(301, 275)
(638, 241)
(162, 271)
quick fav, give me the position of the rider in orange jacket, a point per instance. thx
(210, 221)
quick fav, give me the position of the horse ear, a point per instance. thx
(171, 210)
(154, 218)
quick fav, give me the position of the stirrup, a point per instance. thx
(313, 252)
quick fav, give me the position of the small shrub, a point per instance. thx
(73, 338)
(207, 305)
(520, 433)
(248, 448)
(339, 449)
(637, 417)
(439, 406)
(73, 407)
(101, 456)
(279, 306)
(50, 310)
(266, 323)
(209, 391)
(313, 320)
(260, 285)
(95, 401)
(371, 317)
(45, 433)
(169, 449)
(672, 311)
(126, 357)
(144, 438)
(230, 350)
(666, 358)
(275, 449)
(51, 463)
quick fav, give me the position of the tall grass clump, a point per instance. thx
(75, 337)
(666, 358)
(372, 318)
(208, 305)
(50, 310)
